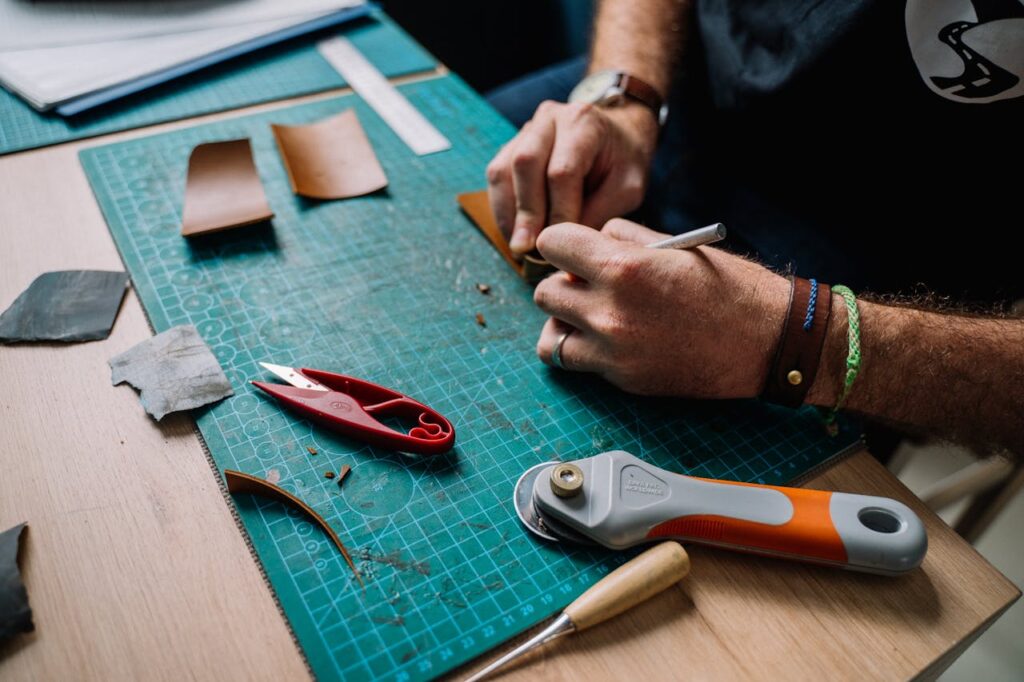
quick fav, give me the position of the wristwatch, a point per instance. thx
(609, 88)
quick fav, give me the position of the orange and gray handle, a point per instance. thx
(626, 502)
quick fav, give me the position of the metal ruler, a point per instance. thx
(408, 123)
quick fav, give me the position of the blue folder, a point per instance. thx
(120, 90)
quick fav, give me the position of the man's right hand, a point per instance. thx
(571, 163)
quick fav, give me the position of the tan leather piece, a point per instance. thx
(223, 189)
(478, 208)
(330, 159)
(239, 482)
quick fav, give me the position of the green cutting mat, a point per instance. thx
(287, 70)
(384, 288)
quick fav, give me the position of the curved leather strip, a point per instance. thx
(799, 350)
(239, 482)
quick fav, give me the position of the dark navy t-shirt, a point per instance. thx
(895, 130)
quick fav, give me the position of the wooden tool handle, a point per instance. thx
(637, 580)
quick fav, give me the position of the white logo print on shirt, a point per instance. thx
(969, 51)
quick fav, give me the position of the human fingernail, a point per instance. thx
(520, 242)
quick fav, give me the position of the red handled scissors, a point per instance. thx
(352, 406)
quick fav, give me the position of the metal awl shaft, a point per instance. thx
(558, 627)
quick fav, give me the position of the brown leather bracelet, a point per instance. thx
(799, 353)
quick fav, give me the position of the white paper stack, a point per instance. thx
(74, 55)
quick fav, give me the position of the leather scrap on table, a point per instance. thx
(15, 612)
(66, 305)
(477, 206)
(239, 482)
(222, 189)
(174, 371)
(330, 159)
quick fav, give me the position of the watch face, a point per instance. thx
(596, 86)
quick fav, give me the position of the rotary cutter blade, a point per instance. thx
(527, 511)
(522, 500)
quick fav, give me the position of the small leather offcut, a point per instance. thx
(799, 349)
(330, 159)
(67, 305)
(15, 612)
(223, 189)
(239, 482)
(174, 370)
(477, 206)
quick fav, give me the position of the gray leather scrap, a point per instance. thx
(174, 371)
(67, 305)
(15, 613)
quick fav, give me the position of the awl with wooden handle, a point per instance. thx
(635, 581)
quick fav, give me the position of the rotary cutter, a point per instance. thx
(617, 500)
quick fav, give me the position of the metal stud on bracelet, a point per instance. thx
(797, 357)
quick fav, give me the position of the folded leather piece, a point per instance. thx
(67, 305)
(477, 206)
(222, 189)
(173, 371)
(330, 159)
(15, 613)
(239, 482)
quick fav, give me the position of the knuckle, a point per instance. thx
(633, 192)
(562, 172)
(524, 158)
(606, 324)
(547, 106)
(541, 351)
(580, 111)
(495, 172)
(542, 295)
(622, 266)
(614, 226)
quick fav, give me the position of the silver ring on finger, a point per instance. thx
(556, 352)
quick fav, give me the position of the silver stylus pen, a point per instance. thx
(692, 239)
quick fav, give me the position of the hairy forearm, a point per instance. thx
(954, 376)
(641, 37)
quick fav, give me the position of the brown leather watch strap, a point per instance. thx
(642, 92)
(799, 352)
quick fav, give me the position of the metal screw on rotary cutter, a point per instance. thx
(534, 520)
(566, 480)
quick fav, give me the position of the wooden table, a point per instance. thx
(135, 568)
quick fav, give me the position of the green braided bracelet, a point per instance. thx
(852, 355)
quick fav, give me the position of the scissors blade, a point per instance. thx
(293, 376)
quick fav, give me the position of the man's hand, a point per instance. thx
(700, 323)
(571, 163)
